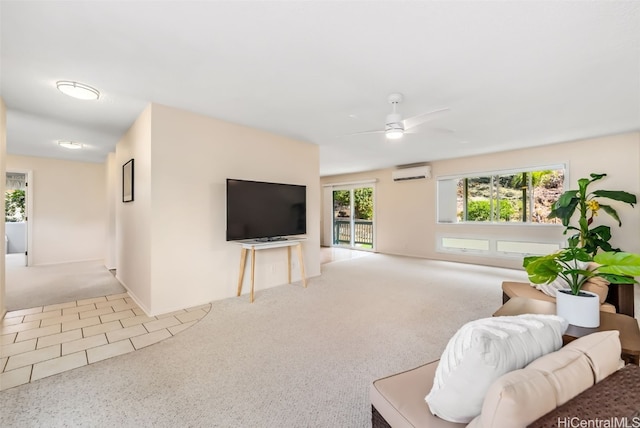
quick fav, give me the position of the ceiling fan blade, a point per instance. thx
(430, 129)
(414, 121)
(364, 132)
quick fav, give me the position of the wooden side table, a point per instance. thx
(254, 246)
(627, 326)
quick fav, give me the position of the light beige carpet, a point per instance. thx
(27, 287)
(295, 358)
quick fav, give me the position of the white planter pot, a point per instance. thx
(582, 310)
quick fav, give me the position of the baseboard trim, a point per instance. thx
(135, 298)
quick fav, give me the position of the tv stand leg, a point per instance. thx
(243, 263)
(253, 269)
(301, 261)
(289, 264)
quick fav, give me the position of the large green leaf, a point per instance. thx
(612, 212)
(602, 231)
(618, 279)
(565, 199)
(605, 246)
(582, 185)
(541, 269)
(620, 263)
(540, 278)
(593, 243)
(572, 253)
(574, 240)
(598, 237)
(528, 259)
(616, 195)
(562, 211)
(595, 177)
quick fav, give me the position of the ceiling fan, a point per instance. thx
(395, 127)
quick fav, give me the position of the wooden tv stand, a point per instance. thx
(254, 246)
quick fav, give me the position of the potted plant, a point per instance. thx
(585, 246)
(579, 307)
(588, 206)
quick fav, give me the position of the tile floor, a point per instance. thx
(46, 340)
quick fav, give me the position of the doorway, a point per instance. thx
(16, 206)
(353, 217)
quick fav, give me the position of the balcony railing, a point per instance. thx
(363, 232)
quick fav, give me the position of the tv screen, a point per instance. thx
(260, 210)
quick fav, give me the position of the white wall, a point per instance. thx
(406, 211)
(133, 219)
(68, 218)
(3, 171)
(183, 204)
(111, 178)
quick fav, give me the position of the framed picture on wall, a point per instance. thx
(127, 181)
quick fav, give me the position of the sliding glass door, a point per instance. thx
(342, 214)
(353, 221)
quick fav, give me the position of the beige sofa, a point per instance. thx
(514, 400)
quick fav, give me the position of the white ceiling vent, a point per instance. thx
(413, 173)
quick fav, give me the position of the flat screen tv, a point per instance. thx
(265, 211)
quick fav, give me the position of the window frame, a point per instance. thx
(492, 173)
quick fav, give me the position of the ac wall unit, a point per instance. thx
(413, 173)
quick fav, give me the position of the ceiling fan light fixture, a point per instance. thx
(393, 130)
(396, 126)
(394, 133)
(77, 90)
(72, 145)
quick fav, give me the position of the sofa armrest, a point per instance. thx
(399, 400)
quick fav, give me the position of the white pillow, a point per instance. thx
(482, 351)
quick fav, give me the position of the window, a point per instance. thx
(524, 196)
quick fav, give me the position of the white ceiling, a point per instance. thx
(514, 74)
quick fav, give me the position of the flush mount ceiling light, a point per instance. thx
(77, 90)
(70, 145)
